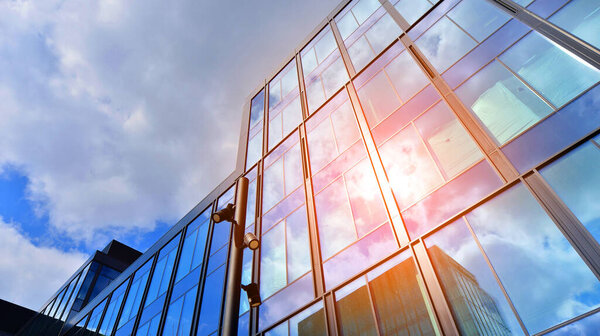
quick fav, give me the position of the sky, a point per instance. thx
(117, 117)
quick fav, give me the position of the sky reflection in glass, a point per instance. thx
(543, 275)
(576, 179)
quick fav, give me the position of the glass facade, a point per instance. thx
(419, 167)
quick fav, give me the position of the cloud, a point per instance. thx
(125, 114)
(24, 264)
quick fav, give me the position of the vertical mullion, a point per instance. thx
(265, 130)
(203, 269)
(483, 140)
(440, 305)
(342, 47)
(313, 231)
(301, 87)
(122, 306)
(253, 311)
(102, 315)
(376, 163)
(330, 315)
(496, 277)
(396, 16)
(165, 308)
(471, 125)
(138, 315)
(578, 236)
(557, 35)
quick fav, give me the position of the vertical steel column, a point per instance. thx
(234, 271)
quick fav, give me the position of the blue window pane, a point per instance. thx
(576, 179)
(273, 257)
(545, 278)
(136, 291)
(444, 43)
(257, 110)
(112, 310)
(173, 316)
(412, 10)
(476, 300)
(504, 104)
(569, 124)
(95, 317)
(580, 18)
(558, 75)
(586, 326)
(484, 23)
(162, 271)
(180, 314)
(210, 311)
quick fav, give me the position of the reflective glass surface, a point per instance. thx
(95, 316)
(502, 102)
(580, 18)
(366, 29)
(557, 75)
(576, 179)
(194, 244)
(309, 322)
(388, 301)
(112, 311)
(349, 204)
(412, 10)
(285, 111)
(255, 137)
(478, 305)
(545, 278)
(458, 32)
(162, 271)
(180, 314)
(285, 250)
(324, 70)
(134, 297)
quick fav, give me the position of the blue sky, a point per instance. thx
(113, 114)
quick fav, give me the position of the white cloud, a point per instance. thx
(32, 274)
(122, 114)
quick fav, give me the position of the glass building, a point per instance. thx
(417, 167)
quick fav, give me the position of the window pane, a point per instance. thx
(576, 179)
(377, 30)
(450, 145)
(580, 18)
(285, 112)
(543, 275)
(194, 245)
(502, 102)
(557, 75)
(134, 298)
(410, 168)
(309, 322)
(324, 70)
(180, 314)
(272, 261)
(210, 310)
(256, 129)
(482, 25)
(412, 10)
(476, 300)
(162, 271)
(112, 310)
(398, 298)
(354, 309)
(95, 316)
(444, 43)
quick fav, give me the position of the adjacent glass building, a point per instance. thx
(418, 167)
